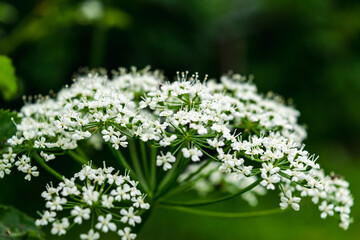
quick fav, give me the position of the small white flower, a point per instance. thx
(80, 214)
(92, 235)
(288, 199)
(129, 216)
(59, 228)
(105, 223)
(165, 160)
(40, 143)
(215, 143)
(46, 218)
(326, 209)
(139, 202)
(268, 182)
(90, 196)
(31, 171)
(46, 156)
(107, 201)
(119, 141)
(194, 153)
(56, 204)
(126, 234)
(166, 141)
(107, 134)
(121, 192)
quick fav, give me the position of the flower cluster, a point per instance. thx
(101, 197)
(227, 124)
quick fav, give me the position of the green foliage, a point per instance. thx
(8, 81)
(7, 126)
(16, 225)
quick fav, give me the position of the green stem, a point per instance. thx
(144, 159)
(136, 164)
(189, 183)
(81, 152)
(77, 157)
(224, 214)
(217, 200)
(121, 159)
(42, 163)
(191, 175)
(173, 175)
(153, 169)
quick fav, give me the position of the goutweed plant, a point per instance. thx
(165, 138)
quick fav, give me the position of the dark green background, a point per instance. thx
(308, 51)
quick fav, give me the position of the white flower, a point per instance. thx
(119, 141)
(126, 234)
(194, 153)
(107, 134)
(288, 199)
(80, 214)
(46, 218)
(90, 201)
(40, 143)
(56, 204)
(326, 209)
(268, 168)
(227, 120)
(79, 135)
(31, 171)
(215, 143)
(166, 141)
(268, 182)
(4, 169)
(121, 192)
(139, 202)
(129, 216)
(165, 160)
(90, 195)
(92, 235)
(107, 201)
(46, 156)
(59, 228)
(105, 223)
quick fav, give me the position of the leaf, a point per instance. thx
(8, 81)
(7, 126)
(15, 224)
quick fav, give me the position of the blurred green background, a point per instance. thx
(307, 50)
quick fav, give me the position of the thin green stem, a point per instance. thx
(153, 153)
(144, 159)
(191, 175)
(137, 166)
(122, 161)
(189, 183)
(42, 163)
(77, 157)
(81, 152)
(173, 175)
(217, 200)
(224, 214)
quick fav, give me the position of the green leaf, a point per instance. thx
(8, 81)
(15, 224)
(7, 126)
